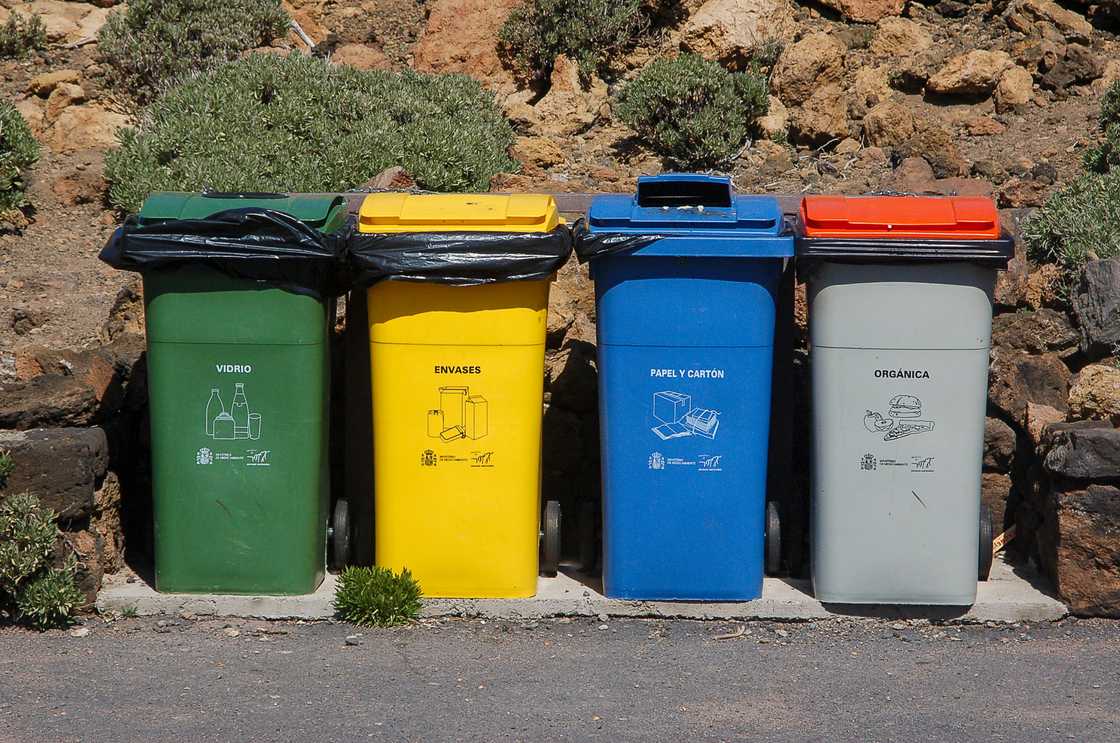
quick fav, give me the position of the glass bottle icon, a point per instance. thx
(240, 412)
(214, 408)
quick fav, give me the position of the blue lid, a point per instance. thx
(700, 215)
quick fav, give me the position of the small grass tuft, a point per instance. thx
(7, 466)
(377, 597)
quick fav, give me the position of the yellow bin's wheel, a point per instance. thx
(550, 539)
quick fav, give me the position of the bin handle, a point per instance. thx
(243, 195)
(667, 191)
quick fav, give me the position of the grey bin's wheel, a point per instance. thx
(987, 537)
(340, 534)
(773, 539)
(550, 539)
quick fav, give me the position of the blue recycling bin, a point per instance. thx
(686, 278)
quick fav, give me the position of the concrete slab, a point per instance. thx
(1012, 595)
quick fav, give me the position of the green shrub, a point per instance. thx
(20, 35)
(589, 31)
(50, 597)
(377, 597)
(1106, 155)
(18, 152)
(152, 42)
(691, 110)
(270, 123)
(30, 589)
(7, 466)
(1079, 223)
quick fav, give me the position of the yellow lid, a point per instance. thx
(402, 212)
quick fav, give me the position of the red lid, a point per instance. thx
(885, 217)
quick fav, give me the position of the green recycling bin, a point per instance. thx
(238, 309)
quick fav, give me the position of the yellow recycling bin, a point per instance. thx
(457, 337)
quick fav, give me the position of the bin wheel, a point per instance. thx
(986, 538)
(773, 539)
(550, 539)
(340, 534)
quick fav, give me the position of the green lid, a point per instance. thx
(325, 212)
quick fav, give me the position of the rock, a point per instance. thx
(1014, 89)
(85, 185)
(1018, 193)
(86, 127)
(44, 83)
(728, 31)
(933, 141)
(889, 124)
(975, 73)
(462, 36)
(61, 466)
(394, 178)
(1078, 66)
(1041, 331)
(995, 491)
(65, 22)
(62, 97)
(999, 445)
(899, 37)
(1022, 14)
(821, 118)
(1043, 284)
(87, 548)
(1084, 450)
(811, 63)
(770, 158)
(362, 57)
(870, 87)
(776, 121)
(77, 388)
(541, 152)
(952, 8)
(911, 73)
(1011, 284)
(1079, 549)
(126, 316)
(25, 319)
(1017, 378)
(106, 523)
(1095, 394)
(913, 175)
(847, 146)
(569, 107)
(983, 126)
(1096, 305)
(866, 11)
(1038, 418)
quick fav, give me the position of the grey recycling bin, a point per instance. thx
(900, 313)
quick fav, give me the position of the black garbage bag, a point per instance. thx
(590, 245)
(458, 258)
(252, 243)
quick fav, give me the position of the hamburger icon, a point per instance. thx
(905, 406)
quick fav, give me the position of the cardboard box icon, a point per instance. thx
(670, 407)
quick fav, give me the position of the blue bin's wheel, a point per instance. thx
(987, 537)
(340, 534)
(550, 539)
(773, 539)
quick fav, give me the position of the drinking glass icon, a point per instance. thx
(254, 426)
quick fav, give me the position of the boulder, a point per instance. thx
(775, 122)
(85, 127)
(870, 87)
(1019, 193)
(1021, 15)
(811, 63)
(45, 82)
(1040, 331)
(63, 467)
(728, 31)
(1095, 394)
(1043, 285)
(1096, 305)
(1040, 416)
(539, 152)
(936, 143)
(995, 492)
(462, 36)
(1078, 66)
(1017, 378)
(999, 445)
(1014, 89)
(899, 37)
(1079, 548)
(1082, 451)
(973, 74)
(866, 11)
(569, 107)
(889, 124)
(822, 118)
(361, 56)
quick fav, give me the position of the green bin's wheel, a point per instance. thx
(986, 538)
(340, 534)
(550, 539)
(773, 539)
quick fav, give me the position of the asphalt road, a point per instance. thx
(557, 680)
